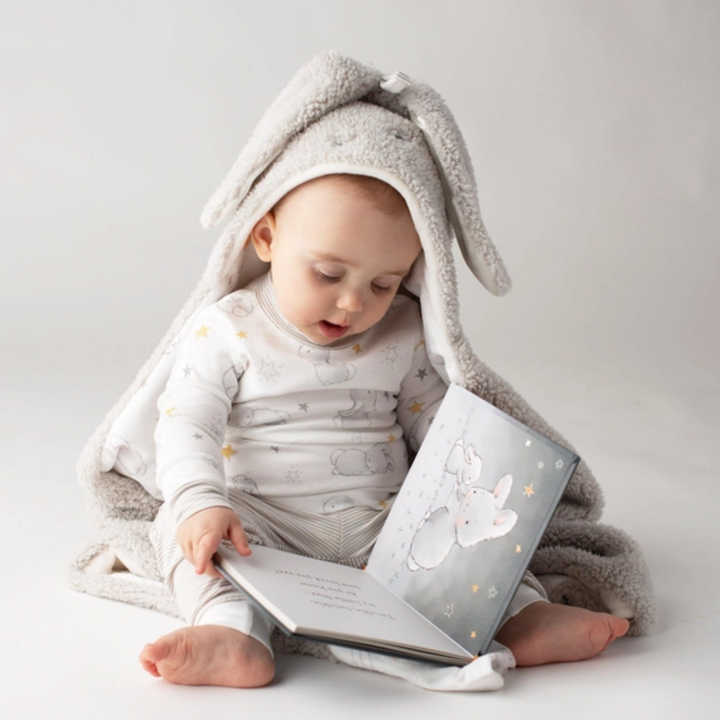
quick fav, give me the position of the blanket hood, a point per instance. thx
(339, 116)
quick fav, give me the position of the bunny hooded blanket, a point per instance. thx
(339, 116)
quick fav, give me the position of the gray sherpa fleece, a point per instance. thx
(339, 116)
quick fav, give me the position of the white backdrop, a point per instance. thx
(592, 126)
(593, 130)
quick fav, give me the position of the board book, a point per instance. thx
(451, 554)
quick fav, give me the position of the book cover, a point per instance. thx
(469, 516)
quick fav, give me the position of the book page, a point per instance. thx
(330, 601)
(469, 516)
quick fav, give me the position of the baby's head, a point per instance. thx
(338, 246)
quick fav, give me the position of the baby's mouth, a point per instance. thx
(331, 330)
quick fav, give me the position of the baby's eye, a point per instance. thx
(382, 289)
(327, 278)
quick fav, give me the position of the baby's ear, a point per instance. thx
(262, 236)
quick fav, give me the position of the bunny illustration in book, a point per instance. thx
(470, 514)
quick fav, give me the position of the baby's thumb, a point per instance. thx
(238, 538)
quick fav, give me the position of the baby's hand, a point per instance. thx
(200, 536)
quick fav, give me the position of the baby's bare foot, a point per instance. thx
(548, 633)
(209, 655)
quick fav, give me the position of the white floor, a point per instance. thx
(651, 442)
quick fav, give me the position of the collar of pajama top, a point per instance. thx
(265, 294)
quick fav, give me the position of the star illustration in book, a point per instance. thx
(559, 464)
(492, 593)
(202, 332)
(473, 634)
(450, 610)
(528, 443)
(541, 464)
(528, 490)
(518, 548)
(475, 588)
(228, 452)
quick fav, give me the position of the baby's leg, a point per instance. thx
(228, 642)
(544, 633)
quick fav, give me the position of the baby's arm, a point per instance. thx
(193, 413)
(200, 535)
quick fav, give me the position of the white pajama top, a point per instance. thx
(254, 405)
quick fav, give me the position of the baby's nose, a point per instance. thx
(351, 301)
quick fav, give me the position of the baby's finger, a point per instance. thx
(205, 550)
(238, 538)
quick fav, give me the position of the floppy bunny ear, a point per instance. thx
(329, 81)
(321, 85)
(426, 108)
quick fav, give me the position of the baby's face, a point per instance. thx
(336, 259)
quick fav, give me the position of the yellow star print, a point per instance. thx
(170, 411)
(475, 588)
(357, 348)
(242, 334)
(518, 548)
(473, 634)
(416, 407)
(528, 490)
(228, 452)
(202, 332)
(391, 438)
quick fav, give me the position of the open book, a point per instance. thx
(452, 552)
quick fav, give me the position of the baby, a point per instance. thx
(288, 418)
